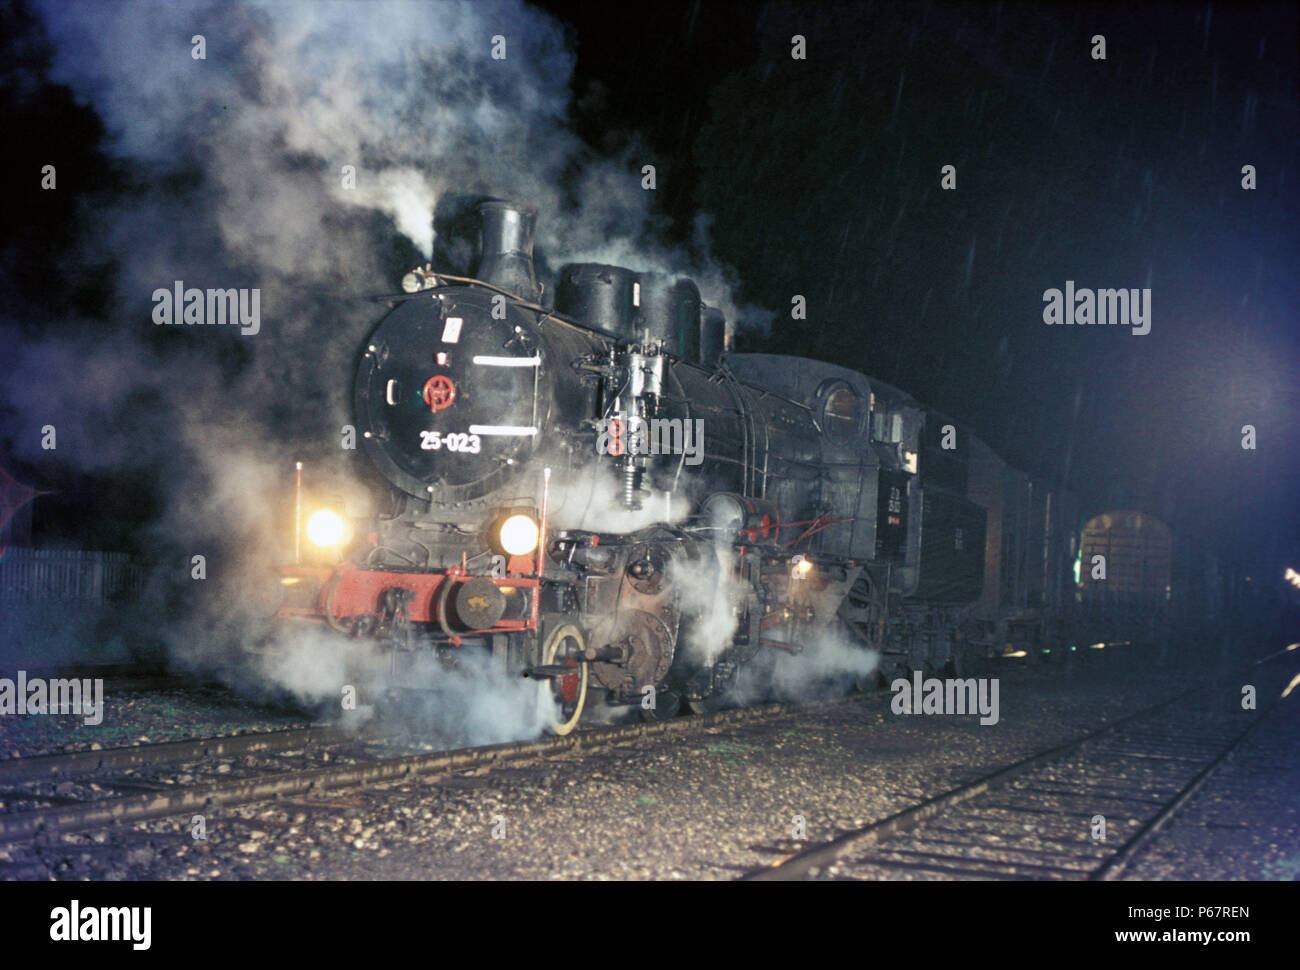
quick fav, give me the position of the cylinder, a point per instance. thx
(713, 336)
(599, 296)
(729, 513)
(670, 311)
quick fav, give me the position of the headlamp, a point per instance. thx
(325, 528)
(518, 534)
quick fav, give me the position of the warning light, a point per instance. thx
(442, 358)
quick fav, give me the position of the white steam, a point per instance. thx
(241, 169)
(708, 595)
(831, 661)
(590, 498)
(472, 701)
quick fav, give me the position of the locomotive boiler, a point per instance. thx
(598, 495)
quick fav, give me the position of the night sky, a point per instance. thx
(821, 177)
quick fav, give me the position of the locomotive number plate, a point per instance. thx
(469, 444)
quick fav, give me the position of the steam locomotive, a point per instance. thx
(599, 496)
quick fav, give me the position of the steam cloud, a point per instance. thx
(237, 164)
(833, 659)
(707, 591)
(471, 702)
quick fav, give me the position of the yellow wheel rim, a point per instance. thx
(549, 653)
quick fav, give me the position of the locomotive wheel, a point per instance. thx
(706, 705)
(569, 691)
(856, 608)
(667, 704)
(715, 700)
(753, 683)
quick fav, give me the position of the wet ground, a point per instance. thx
(137, 716)
(1246, 823)
(717, 803)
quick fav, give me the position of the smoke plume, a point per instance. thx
(299, 148)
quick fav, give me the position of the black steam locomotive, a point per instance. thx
(599, 496)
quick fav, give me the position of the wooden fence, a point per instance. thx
(34, 575)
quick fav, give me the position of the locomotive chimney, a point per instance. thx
(507, 259)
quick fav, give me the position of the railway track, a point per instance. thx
(89, 803)
(58, 767)
(1079, 810)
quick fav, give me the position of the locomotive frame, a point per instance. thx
(826, 504)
